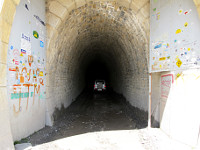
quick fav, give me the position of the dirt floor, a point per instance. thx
(101, 121)
(92, 112)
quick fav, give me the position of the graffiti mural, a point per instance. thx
(26, 77)
(26, 59)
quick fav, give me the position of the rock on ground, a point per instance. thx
(24, 146)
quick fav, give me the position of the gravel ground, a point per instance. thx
(100, 121)
(92, 112)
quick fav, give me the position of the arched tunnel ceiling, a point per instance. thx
(105, 23)
(115, 32)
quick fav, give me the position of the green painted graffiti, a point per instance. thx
(42, 95)
(20, 95)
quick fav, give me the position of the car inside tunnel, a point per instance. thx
(97, 69)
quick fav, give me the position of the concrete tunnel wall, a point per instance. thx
(115, 32)
(26, 70)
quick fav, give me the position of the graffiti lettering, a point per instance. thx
(166, 82)
(24, 78)
(40, 20)
(26, 37)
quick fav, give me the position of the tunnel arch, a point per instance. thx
(98, 27)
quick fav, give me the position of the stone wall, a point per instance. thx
(80, 30)
(7, 13)
(197, 3)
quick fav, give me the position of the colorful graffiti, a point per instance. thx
(180, 31)
(26, 77)
(23, 75)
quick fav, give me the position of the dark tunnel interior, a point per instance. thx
(98, 62)
(97, 69)
(90, 45)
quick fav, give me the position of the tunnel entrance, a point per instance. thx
(106, 41)
(99, 40)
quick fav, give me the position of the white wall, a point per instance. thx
(174, 53)
(26, 69)
(180, 111)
